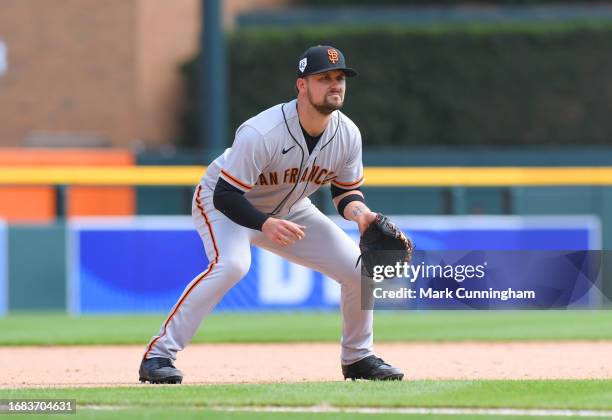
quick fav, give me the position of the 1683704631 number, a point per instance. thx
(37, 406)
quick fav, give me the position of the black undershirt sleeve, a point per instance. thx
(346, 200)
(336, 191)
(230, 201)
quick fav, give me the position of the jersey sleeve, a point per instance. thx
(351, 175)
(246, 159)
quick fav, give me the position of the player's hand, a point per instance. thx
(364, 220)
(282, 232)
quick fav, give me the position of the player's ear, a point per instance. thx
(300, 84)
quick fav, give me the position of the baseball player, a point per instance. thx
(256, 193)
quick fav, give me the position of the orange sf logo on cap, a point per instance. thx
(332, 55)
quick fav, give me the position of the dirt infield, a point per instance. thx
(235, 363)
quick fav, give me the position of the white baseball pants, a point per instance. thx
(325, 248)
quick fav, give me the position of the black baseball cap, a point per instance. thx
(322, 58)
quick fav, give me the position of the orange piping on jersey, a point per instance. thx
(198, 280)
(236, 180)
(352, 184)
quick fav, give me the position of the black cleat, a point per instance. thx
(159, 370)
(372, 368)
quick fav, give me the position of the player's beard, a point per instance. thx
(325, 107)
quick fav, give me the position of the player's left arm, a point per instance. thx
(351, 205)
(345, 188)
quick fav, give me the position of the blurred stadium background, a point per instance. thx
(111, 109)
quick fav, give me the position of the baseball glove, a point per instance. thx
(383, 243)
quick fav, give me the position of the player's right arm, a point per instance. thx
(231, 202)
(245, 161)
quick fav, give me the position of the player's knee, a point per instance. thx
(349, 277)
(235, 267)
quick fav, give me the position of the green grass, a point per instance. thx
(198, 413)
(48, 329)
(207, 401)
(566, 394)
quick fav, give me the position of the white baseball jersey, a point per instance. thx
(269, 159)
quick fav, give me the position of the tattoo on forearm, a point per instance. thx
(357, 210)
